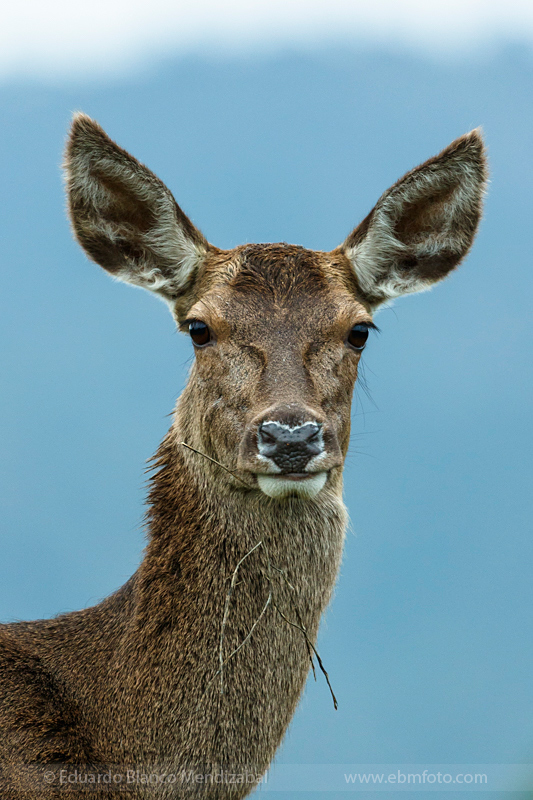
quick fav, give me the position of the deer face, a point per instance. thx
(278, 330)
(278, 337)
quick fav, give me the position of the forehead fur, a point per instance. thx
(279, 271)
(275, 275)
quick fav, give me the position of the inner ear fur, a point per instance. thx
(423, 226)
(125, 218)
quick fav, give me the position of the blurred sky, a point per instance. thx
(285, 122)
(69, 38)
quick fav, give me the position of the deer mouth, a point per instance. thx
(292, 484)
(297, 476)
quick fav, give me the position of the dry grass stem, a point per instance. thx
(194, 450)
(225, 617)
(315, 651)
(309, 651)
(248, 635)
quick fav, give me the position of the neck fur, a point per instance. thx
(280, 559)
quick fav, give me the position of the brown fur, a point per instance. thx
(135, 682)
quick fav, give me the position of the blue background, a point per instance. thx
(428, 640)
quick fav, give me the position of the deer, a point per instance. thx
(198, 662)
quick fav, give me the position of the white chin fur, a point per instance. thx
(280, 487)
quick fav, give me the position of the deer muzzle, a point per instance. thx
(290, 451)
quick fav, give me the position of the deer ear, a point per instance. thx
(124, 216)
(423, 226)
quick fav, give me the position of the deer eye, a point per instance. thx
(358, 336)
(200, 333)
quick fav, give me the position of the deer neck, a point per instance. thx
(227, 570)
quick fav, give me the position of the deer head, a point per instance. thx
(278, 330)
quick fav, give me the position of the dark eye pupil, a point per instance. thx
(358, 336)
(199, 332)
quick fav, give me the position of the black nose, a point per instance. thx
(290, 447)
